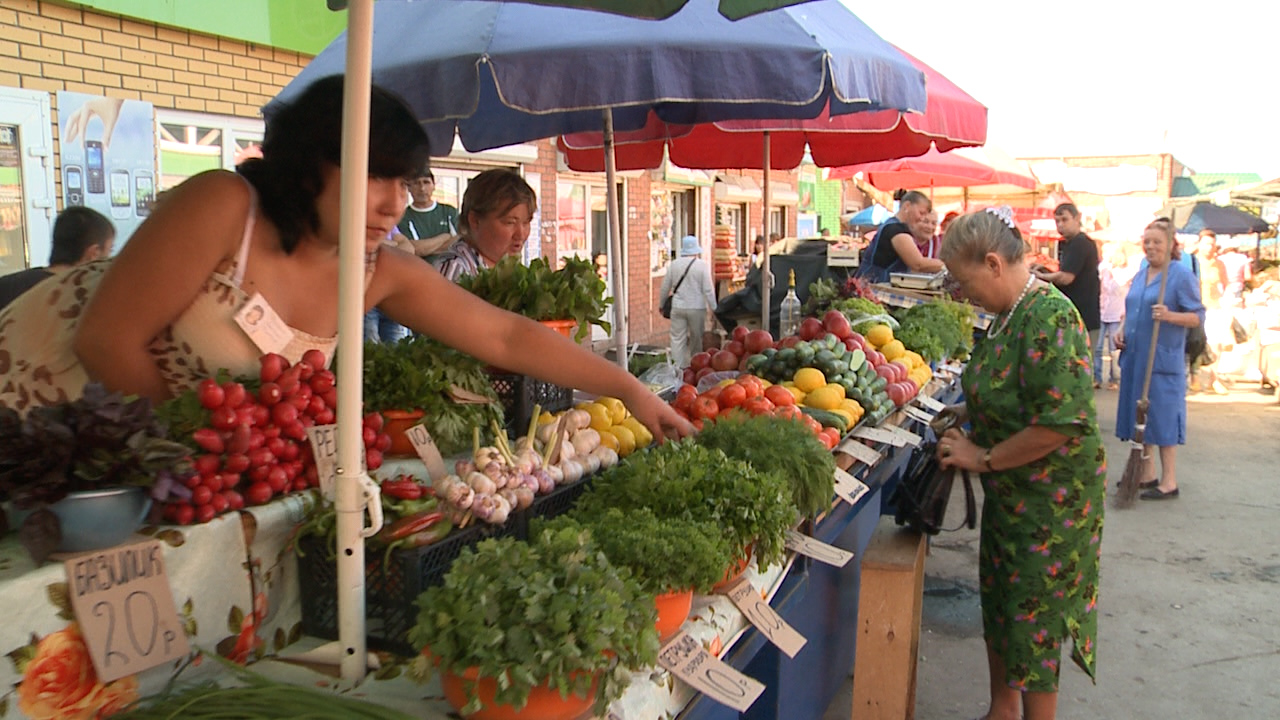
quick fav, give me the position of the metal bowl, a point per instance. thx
(96, 519)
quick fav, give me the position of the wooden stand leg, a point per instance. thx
(889, 606)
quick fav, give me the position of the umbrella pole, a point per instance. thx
(766, 274)
(615, 244)
(354, 188)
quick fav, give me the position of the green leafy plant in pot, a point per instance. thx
(448, 390)
(780, 446)
(670, 558)
(519, 620)
(76, 461)
(574, 292)
(685, 480)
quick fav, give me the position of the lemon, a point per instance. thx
(823, 398)
(809, 379)
(893, 350)
(617, 410)
(839, 389)
(609, 440)
(879, 335)
(644, 438)
(601, 418)
(796, 392)
(626, 439)
(726, 382)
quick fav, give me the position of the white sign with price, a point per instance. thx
(876, 434)
(930, 404)
(765, 618)
(324, 446)
(906, 437)
(817, 549)
(122, 600)
(863, 453)
(688, 660)
(849, 488)
(425, 446)
(918, 414)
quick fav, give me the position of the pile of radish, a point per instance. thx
(255, 445)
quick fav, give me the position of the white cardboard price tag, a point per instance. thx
(817, 549)
(930, 404)
(849, 488)
(324, 446)
(876, 434)
(765, 618)
(918, 414)
(862, 453)
(951, 368)
(425, 446)
(122, 600)
(688, 660)
(907, 437)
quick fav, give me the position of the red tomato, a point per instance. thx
(315, 359)
(757, 341)
(687, 391)
(810, 423)
(724, 360)
(837, 324)
(732, 396)
(734, 346)
(779, 396)
(705, 408)
(683, 404)
(758, 406)
(810, 328)
(788, 342)
(210, 394)
(790, 412)
(752, 384)
(739, 333)
(713, 393)
(700, 361)
(688, 376)
(697, 378)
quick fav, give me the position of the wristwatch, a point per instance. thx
(986, 461)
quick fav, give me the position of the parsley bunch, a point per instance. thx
(540, 293)
(688, 481)
(545, 611)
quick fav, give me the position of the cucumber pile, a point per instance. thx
(841, 365)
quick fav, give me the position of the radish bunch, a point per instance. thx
(255, 446)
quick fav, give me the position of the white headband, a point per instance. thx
(1005, 213)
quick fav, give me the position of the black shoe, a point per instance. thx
(1156, 493)
(1142, 485)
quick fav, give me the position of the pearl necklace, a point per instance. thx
(1009, 315)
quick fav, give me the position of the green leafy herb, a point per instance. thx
(686, 480)
(417, 373)
(552, 611)
(938, 330)
(781, 446)
(664, 555)
(540, 293)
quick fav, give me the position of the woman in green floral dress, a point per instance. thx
(1035, 440)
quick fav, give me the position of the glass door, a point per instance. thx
(26, 180)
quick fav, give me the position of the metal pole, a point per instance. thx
(766, 274)
(617, 262)
(354, 188)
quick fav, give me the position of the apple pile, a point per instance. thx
(742, 344)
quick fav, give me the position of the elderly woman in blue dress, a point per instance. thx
(1167, 415)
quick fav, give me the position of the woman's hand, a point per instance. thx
(956, 450)
(661, 419)
(1118, 339)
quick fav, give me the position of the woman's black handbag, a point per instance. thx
(1241, 335)
(925, 491)
(1197, 342)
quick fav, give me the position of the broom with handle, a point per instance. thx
(1137, 458)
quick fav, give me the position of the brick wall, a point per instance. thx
(50, 46)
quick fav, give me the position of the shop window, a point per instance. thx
(778, 221)
(571, 219)
(734, 215)
(191, 143)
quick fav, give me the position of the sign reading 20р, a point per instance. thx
(121, 598)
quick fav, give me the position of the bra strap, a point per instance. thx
(242, 257)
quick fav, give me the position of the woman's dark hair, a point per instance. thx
(77, 229)
(495, 192)
(914, 197)
(305, 135)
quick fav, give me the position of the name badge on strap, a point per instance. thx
(263, 326)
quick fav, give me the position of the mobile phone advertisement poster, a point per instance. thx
(108, 158)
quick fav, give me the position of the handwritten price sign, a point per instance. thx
(324, 447)
(849, 488)
(121, 598)
(425, 446)
(688, 660)
(765, 618)
(817, 549)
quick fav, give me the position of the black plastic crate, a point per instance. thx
(390, 588)
(520, 393)
(558, 501)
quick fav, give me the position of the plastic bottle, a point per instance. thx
(789, 311)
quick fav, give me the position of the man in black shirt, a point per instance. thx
(80, 234)
(1077, 274)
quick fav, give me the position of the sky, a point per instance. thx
(1093, 77)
